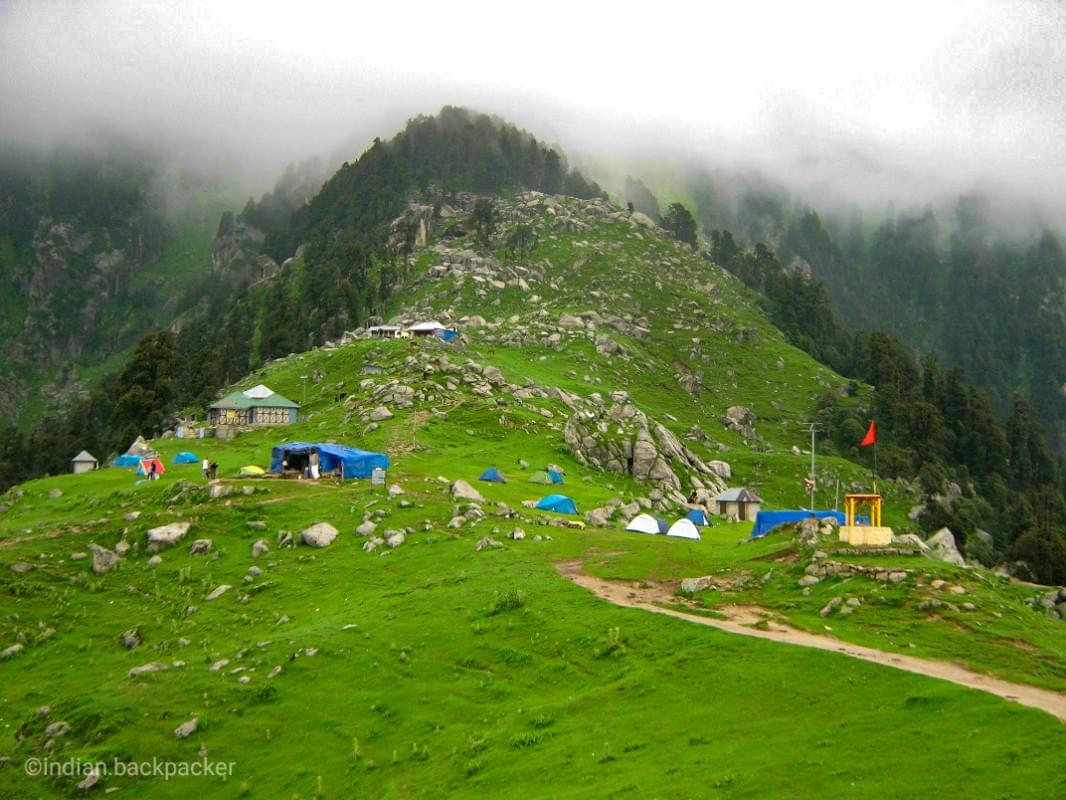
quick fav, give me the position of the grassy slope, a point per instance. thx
(562, 696)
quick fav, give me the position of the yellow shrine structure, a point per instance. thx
(872, 534)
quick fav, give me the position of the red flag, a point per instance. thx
(871, 435)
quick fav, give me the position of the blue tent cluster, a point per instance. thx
(354, 463)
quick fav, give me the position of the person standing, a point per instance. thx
(152, 476)
(206, 467)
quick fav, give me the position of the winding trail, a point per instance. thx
(740, 619)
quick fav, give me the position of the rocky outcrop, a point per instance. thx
(622, 440)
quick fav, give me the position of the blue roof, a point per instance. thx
(766, 521)
(355, 463)
(493, 474)
(559, 503)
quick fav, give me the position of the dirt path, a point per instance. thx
(648, 598)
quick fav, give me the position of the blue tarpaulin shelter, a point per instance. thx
(448, 334)
(557, 477)
(127, 460)
(766, 521)
(559, 503)
(492, 474)
(698, 516)
(185, 457)
(354, 463)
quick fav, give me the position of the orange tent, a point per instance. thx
(145, 467)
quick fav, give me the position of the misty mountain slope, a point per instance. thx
(96, 248)
(432, 648)
(976, 283)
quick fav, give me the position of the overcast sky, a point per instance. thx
(878, 99)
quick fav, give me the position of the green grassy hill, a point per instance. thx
(436, 669)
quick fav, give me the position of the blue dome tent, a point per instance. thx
(698, 516)
(127, 460)
(493, 475)
(559, 503)
(556, 477)
(185, 457)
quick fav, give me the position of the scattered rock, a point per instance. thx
(485, 542)
(394, 539)
(57, 729)
(693, 585)
(11, 652)
(55, 494)
(131, 516)
(380, 413)
(260, 548)
(395, 490)
(90, 780)
(104, 560)
(461, 490)
(155, 561)
(366, 528)
(831, 606)
(167, 535)
(132, 638)
(518, 534)
(218, 591)
(201, 547)
(321, 534)
(284, 539)
(186, 729)
(144, 669)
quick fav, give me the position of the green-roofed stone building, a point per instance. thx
(259, 405)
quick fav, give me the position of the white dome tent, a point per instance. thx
(644, 523)
(684, 529)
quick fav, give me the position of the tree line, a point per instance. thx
(934, 425)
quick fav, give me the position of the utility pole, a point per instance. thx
(812, 427)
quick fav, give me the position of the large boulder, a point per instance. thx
(167, 535)
(461, 490)
(942, 543)
(321, 534)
